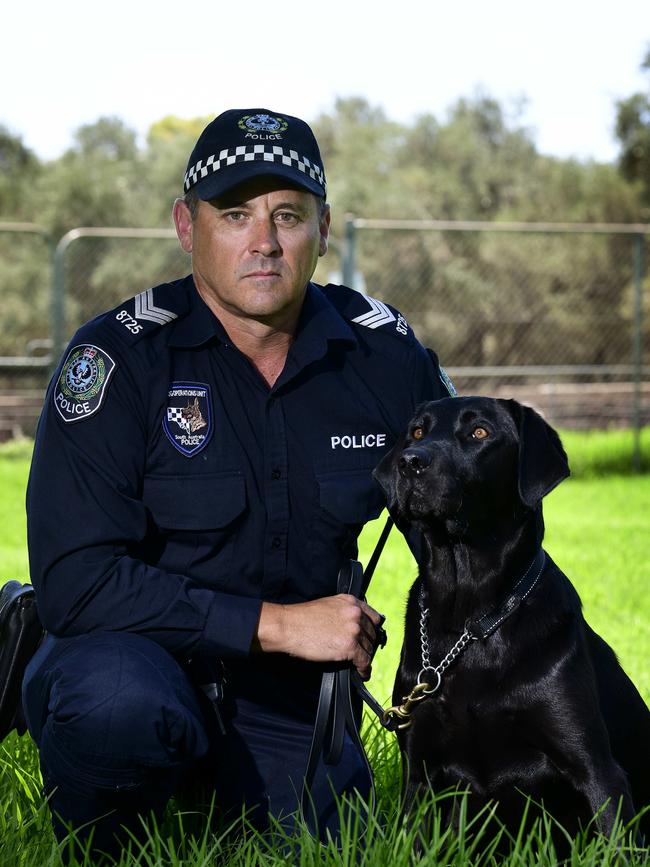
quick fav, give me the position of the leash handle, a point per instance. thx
(335, 714)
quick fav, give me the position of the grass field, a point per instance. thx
(598, 527)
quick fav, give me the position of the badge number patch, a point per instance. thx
(82, 383)
(188, 417)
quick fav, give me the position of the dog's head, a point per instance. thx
(466, 461)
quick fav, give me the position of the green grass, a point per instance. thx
(14, 468)
(597, 532)
(605, 452)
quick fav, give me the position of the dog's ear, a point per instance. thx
(384, 474)
(543, 462)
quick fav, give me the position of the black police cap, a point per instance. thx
(245, 143)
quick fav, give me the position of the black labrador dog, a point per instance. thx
(517, 693)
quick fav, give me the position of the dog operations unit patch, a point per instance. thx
(188, 417)
(82, 383)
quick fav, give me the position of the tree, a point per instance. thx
(19, 168)
(633, 132)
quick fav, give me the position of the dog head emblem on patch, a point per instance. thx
(81, 385)
(188, 417)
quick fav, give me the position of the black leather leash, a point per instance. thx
(336, 712)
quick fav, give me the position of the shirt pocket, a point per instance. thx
(197, 519)
(352, 497)
(347, 500)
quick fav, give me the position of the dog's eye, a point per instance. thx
(417, 433)
(480, 433)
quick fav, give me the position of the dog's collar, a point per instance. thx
(490, 622)
(430, 676)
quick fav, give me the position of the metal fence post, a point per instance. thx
(349, 253)
(57, 297)
(637, 349)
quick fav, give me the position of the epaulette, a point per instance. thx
(148, 311)
(368, 312)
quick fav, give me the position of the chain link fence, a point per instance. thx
(25, 265)
(550, 314)
(96, 268)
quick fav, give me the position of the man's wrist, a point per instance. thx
(271, 629)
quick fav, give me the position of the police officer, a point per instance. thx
(202, 470)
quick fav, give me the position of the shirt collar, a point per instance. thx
(200, 325)
(318, 324)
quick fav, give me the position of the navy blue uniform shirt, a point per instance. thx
(172, 491)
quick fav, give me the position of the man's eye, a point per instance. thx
(286, 218)
(235, 216)
(417, 433)
(480, 433)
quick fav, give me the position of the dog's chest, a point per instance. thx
(472, 739)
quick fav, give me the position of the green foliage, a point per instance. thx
(633, 131)
(488, 298)
(472, 297)
(95, 183)
(19, 168)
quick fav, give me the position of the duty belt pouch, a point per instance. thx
(21, 632)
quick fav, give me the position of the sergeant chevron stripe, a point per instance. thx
(146, 309)
(378, 314)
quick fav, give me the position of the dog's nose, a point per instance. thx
(414, 460)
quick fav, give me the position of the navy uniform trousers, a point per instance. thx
(121, 727)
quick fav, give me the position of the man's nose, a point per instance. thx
(265, 238)
(414, 460)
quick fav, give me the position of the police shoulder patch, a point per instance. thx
(80, 388)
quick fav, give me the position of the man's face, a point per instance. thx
(255, 249)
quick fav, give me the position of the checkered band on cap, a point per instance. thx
(252, 153)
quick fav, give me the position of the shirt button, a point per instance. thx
(276, 474)
(277, 541)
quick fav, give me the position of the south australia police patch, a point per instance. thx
(188, 416)
(82, 383)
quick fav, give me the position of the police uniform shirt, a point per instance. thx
(172, 491)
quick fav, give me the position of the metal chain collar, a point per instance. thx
(399, 715)
(444, 664)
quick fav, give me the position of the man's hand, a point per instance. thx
(331, 629)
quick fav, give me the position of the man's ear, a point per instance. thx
(183, 224)
(384, 473)
(324, 228)
(543, 462)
